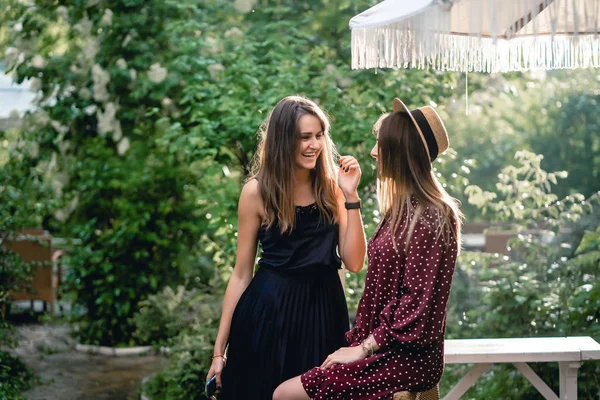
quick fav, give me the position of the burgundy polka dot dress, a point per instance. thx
(404, 306)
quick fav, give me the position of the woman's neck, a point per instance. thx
(302, 177)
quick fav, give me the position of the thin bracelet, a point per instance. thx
(219, 355)
(362, 344)
(371, 340)
(368, 350)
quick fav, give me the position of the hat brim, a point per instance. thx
(399, 106)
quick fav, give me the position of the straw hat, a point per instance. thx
(430, 126)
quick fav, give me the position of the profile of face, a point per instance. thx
(310, 141)
(399, 151)
(375, 150)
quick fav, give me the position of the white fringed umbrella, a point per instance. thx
(478, 35)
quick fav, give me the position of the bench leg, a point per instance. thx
(536, 381)
(467, 381)
(568, 379)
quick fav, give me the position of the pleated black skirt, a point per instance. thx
(284, 324)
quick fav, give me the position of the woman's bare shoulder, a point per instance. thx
(250, 197)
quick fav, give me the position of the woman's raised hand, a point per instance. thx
(349, 176)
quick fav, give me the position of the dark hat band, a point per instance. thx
(432, 145)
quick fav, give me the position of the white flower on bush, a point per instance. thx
(58, 127)
(133, 74)
(63, 147)
(60, 216)
(38, 61)
(344, 82)
(92, 3)
(215, 70)
(34, 149)
(117, 132)
(11, 54)
(106, 120)
(90, 110)
(61, 179)
(157, 74)
(69, 89)
(62, 12)
(41, 118)
(126, 40)
(101, 79)
(166, 102)
(85, 93)
(214, 47)
(234, 33)
(123, 146)
(18, 27)
(64, 213)
(51, 166)
(244, 6)
(106, 18)
(330, 68)
(35, 84)
(121, 63)
(91, 48)
(84, 26)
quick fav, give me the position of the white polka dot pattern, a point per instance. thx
(404, 306)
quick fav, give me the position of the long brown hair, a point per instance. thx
(274, 164)
(404, 170)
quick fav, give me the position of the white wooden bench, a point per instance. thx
(567, 351)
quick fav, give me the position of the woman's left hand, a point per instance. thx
(344, 355)
(349, 175)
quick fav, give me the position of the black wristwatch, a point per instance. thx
(355, 205)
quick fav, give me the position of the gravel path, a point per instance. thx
(70, 375)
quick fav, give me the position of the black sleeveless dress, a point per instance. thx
(293, 313)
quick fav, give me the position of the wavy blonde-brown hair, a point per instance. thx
(273, 165)
(404, 170)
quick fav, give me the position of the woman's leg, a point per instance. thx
(291, 389)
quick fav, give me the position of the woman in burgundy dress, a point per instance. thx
(398, 342)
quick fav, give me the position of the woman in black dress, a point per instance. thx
(292, 313)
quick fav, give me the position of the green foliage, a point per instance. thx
(567, 131)
(166, 315)
(133, 188)
(187, 321)
(22, 205)
(189, 361)
(546, 286)
(15, 376)
(549, 113)
(152, 126)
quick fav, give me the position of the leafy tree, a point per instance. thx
(23, 205)
(547, 286)
(151, 111)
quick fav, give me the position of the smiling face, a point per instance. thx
(310, 141)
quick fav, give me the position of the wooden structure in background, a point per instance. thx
(35, 245)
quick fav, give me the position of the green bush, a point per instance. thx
(152, 126)
(23, 204)
(15, 376)
(132, 188)
(164, 316)
(187, 321)
(547, 286)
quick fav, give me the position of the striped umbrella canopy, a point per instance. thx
(477, 35)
